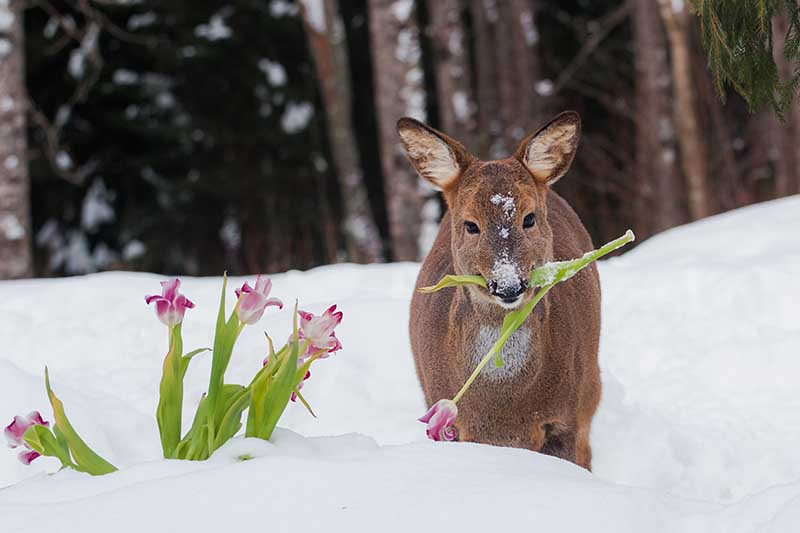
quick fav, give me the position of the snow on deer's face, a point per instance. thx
(499, 228)
(498, 209)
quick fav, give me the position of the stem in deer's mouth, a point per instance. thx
(509, 327)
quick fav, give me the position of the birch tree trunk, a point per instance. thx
(656, 184)
(694, 159)
(16, 260)
(326, 38)
(399, 91)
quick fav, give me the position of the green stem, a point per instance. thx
(498, 345)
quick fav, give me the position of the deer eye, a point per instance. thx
(472, 228)
(528, 221)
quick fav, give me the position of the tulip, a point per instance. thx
(15, 433)
(254, 300)
(170, 304)
(318, 332)
(300, 385)
(440, 418)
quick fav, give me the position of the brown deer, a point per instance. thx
(503, 220)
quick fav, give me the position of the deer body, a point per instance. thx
(545, 395)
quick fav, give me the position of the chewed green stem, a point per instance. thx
(510, 328)
(544, 277)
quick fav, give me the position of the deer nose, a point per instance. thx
(507, 290)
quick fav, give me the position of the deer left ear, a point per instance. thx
(436, 157)
(548, 153)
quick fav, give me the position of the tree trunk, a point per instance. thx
(658, 193)
(399, 91)
(453, 73)
(785, 135)
(485, 18)
(326, 39)
(16, 258)
(693, 154)
(518, 64)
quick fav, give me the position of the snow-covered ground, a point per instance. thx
(698, 429)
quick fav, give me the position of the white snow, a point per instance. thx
(97, 206)
(276, 74)
(315, 14)
(543, 87)
(697, 431)
(296, 116)
(6, 104)
(401, 9)
(141, 20)
(216, 29)
(11, 162)
(6, 18)
(506, 202)
(10, 227)
(5, 47)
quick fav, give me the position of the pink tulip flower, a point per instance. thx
(15, 433)
(170, 304)
(254, 300)
(300, 385)
(318, 331)
(440, 418)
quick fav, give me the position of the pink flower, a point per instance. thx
(440, 418)
(170, 304)
(318, 330)
(15, 432)
(300, 385)
(254, 300)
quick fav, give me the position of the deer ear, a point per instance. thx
(548, 153)
(436, 157)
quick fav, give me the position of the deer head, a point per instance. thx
(498, 208)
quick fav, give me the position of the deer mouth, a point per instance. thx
(508, 295)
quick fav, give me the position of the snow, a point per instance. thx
(5, 47)
(543, 87)
(296, 117)
(506, 202)
(697, 431)
(98, 206)
(10, 227)
(216, 29)
(11, 162)
(276, 74)
(315, 14)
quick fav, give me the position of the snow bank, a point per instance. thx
(697, 430)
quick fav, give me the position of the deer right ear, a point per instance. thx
(436, 157)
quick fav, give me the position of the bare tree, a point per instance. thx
(326, 38)
(694, 159)
(457, 104)
(657, 190)
(399, 91)
(16, 259)
(518, 77)
(785, 136)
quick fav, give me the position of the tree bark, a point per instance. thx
(518, 63)
(399, 91)
(693, 154)
(485, 18)
(326, 40)
(16, 257)
(657, 190)
(453, 72)
(785, 135)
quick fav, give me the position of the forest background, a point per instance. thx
(259, 135)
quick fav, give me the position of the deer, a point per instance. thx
(503, 219)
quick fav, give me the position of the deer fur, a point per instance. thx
(545, 396)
